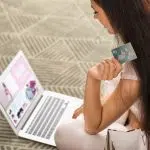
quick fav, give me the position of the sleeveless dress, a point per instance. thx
(129, 73)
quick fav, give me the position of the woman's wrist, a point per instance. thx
(91, 77)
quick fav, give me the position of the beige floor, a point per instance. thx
(61, 40)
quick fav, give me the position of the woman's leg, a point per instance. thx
(72, 136)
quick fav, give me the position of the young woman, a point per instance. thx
(130, 19)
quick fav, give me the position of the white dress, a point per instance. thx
(128, 72)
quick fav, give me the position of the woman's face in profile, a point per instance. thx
(101, 16)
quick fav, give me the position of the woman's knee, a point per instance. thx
(66, 136)
(73, 137)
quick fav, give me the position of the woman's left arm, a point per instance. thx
(97, 116)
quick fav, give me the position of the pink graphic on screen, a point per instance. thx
(20, 72)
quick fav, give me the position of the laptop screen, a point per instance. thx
(19, 88)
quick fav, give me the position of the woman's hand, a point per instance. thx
(77, 112)
(106, 70)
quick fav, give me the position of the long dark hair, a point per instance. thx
(131, 20)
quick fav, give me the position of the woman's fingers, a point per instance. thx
(100, 70)
(109, 70)
(105, 74)
(106, 70)
(77, 112)
(118, 67)
(112, 68)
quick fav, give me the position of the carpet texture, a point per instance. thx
(61, 40)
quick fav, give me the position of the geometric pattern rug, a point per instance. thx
(61, 40)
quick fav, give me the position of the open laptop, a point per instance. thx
(32, 112)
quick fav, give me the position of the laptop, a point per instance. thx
(32, 112)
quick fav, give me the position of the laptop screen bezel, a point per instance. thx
(33, 104)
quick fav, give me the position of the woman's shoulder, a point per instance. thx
(128, 72)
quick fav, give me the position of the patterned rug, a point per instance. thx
(61, 40)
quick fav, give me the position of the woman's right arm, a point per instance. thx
(98, 116)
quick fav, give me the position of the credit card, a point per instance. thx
(124, 53)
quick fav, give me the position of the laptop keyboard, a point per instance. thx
(47, 118)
